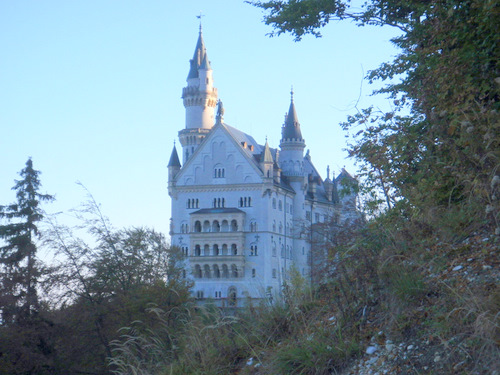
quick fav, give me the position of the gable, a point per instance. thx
(219, 160)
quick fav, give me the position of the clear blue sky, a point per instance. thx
(91, 91)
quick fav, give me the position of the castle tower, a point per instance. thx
(292, 144)
(174, 166)
(200, 99)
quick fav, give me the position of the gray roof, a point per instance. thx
(291, 129)
(174, 159)
(200, 58)
(268, 157)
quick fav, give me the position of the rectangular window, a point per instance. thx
(253, 272)
(308, 215)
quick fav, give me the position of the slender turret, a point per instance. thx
(292, 144)
(200, 99)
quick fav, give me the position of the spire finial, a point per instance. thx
(291, 93)
(199, 17)
(327, 172)
(174, 142)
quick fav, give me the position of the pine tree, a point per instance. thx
(18, 266)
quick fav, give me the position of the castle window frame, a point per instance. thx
(245, 202)
(219, 171)
(274, 203)
(253, 250)
(274, 273)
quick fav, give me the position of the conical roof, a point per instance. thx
(292, 126)
(200, 58)
(268, 157)
(174, 159)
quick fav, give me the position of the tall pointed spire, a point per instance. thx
(267, 157)
(200, 95)
(174, 159)
(200, 58)
(291, 129)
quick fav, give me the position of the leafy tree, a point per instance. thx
(18, 264)
(440, 146)
(108, 281)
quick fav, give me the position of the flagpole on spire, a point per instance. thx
(199, 17)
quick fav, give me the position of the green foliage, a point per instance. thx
(25, 340)
(107, 285)
(440, 145)
(18, 265)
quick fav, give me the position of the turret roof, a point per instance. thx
(268, 157)
(174, 159)
(200, 58)
(291, 129)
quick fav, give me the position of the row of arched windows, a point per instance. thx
(216, 272)
(216, 226)
(215, 250)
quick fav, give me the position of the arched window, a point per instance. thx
(206, 272)
(206, 250)
(225, 271)
(282, 251)
(253, 226)
(281, 227)
(197, 271)
(215, 226)
(197, 251)
(253, 250)
(206, 226)
(224, 249)
(234, 249)
(216, 250)
(231, 296)
(234, 271)
(234, 226)
(224, 226)
(274, 249)
(280, 205)
(274, 225)
(274, 203)
(197, 226)
(216, 271)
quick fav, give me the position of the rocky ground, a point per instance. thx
(472, 270)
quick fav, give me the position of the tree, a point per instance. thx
(440, 146)
(18, 263)
(106, 282)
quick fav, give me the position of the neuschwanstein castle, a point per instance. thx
(243, 212)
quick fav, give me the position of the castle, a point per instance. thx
(243, 212)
